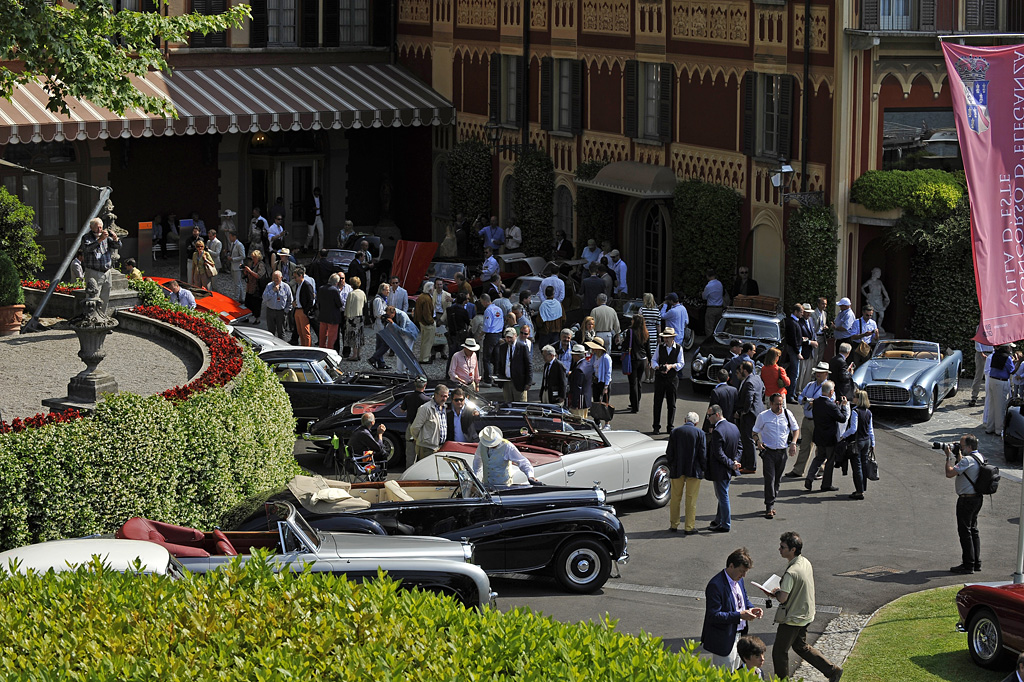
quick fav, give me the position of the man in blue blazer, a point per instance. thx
(749, 404)
(723, 464)
(724, 396)
(728, 611)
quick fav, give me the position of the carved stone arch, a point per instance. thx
(604, 60)
(906, 72)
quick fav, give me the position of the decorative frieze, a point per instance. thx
(770, 26)
(604, 146)
(539, 15)
(710, 165)
(414, 12)
(477, 13)
(606, 16)
(713, 22)
(819, 28)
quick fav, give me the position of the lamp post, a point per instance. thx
(783, 177)
(494, 133)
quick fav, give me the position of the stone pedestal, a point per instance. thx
(121, 296)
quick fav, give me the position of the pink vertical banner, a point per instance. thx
(987, 88)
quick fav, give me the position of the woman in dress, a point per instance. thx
(635, 346)
(773, 376)
(652, 320)
(256, 278)
(204, 266)
(354, 305)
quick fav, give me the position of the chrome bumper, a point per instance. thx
(624, 559)
(960, 627)
(492, 599)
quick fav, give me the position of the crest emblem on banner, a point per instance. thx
(973, 71)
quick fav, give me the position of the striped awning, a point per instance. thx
(240, 99)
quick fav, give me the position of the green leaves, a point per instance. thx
(928, 193)
(811, 243)
(595, 210)
(18, 234)
(10, 282)
(469, 179)
(705, 233)
(88, 51)
(534, 176)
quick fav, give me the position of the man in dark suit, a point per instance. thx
(512, 367)
(723, 464)
(666, 363)
(728, 611)
(829, 417)
(723, 395)
(554, 384)
(732, 365)
(687, 460)
(749, 403)
(794, 344)
(841, 371)
(462, 419)
(563, 247)
(357, 269)
(592, 286)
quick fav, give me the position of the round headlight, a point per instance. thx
(698, 364)
(920, 393)
(601, 497)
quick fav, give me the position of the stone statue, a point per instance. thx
(875, 293)
(109, 219)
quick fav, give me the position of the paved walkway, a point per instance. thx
(39, 365)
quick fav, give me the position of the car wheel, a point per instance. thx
(660, 486)
(985, 639)
(929, 410)
(583, 566)
(394, 451)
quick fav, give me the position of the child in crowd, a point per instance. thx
(751, 652)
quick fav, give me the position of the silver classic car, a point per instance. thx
(428, 563)
(916, 375)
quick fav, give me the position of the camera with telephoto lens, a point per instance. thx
(955, 447)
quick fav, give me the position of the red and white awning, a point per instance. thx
(240, 99)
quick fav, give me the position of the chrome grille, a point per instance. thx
(888, 394)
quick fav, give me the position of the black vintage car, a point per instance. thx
(386, 406)
(567, 532)
(760, 327)
(319, 385)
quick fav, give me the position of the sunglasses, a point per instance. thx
(458, 400)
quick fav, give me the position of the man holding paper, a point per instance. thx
(728, 611)
(795, 594)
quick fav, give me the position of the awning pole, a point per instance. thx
(33, 324)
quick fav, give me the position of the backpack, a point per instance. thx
(987, 482)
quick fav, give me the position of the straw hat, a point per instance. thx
(491, 437)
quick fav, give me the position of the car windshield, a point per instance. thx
(339, 255)
(532, 285)
(748, 328)
(329, 367)
(281, 512)
(447, 270)
(907, 350)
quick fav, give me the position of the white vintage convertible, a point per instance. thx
(627, 464)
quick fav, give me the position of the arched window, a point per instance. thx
(563, 210)
(508, 198)
(653, 250)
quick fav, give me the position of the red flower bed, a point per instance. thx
(45, 284)
(225, 365)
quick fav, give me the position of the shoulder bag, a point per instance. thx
(863, 348)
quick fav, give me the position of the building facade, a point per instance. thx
(305, 94)
(727, 91)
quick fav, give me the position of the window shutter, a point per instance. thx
(666, 81)
(749, 139)
(332, 23)
(522, 97)
(546, 100)
(786, 117)
(576, 112)
(496, 87)
(310, 23)
(989, 15)
(973, 11)
(209, 7)
(869, 15)
(631, 76)
(926, 15)
(258, 24)
(149, 6)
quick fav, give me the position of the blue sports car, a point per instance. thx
(916, 375)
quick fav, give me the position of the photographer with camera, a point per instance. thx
(963, 462)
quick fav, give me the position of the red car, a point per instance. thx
(992, 615)
(227, 309)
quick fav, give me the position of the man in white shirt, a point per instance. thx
(553, 280)
(490, 266)
(513, 238)
(182, 297)
(618, 266)
(844, 321)
(714, 296)
(775, 434)
(591, 253)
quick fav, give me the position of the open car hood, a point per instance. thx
(411, 262)
(402, 352)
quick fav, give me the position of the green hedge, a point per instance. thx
(595, 210)
(926, 193)
(18, 235)
(184, 463)
(469, 179)
(534, 175)
(10, 282)
(811, 243)
(705, 233)
(244, 623)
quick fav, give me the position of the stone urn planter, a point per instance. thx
(11, 317)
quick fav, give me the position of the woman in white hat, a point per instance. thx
(494, 459)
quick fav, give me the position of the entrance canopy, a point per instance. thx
(240, 99)
(634, 179)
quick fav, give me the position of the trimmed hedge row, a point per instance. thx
(244, 623)
(928, 193)
(186, 461)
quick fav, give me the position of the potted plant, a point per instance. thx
(12, 298)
